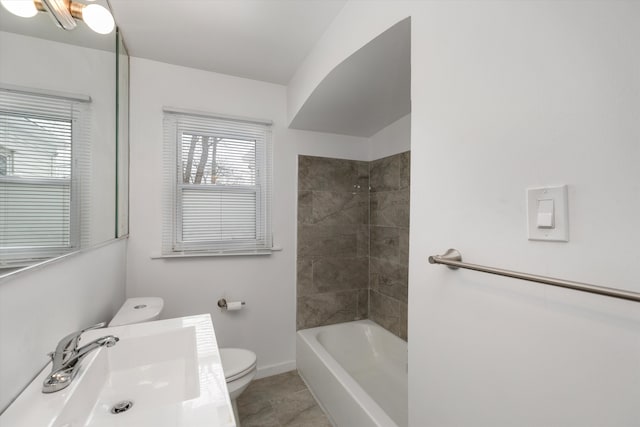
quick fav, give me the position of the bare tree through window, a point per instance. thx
(216, 160)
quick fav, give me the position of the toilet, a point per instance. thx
(138, 310)
(239, 366)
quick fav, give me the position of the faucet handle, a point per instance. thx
(67, 352)
(96, 326)
(70, 342)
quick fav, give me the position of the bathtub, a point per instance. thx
(357, 371)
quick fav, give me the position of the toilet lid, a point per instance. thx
(236, 362)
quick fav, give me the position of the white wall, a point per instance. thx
(36, 63)
(525, 94)
(190, 286)
(40, 306)
(393, 139)
(505, 96)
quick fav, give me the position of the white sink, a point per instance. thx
(169, 369)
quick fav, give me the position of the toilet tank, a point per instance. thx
(137, 310)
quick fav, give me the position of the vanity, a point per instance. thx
(163, 373)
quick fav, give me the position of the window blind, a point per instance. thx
(217, 184)
(43, 159)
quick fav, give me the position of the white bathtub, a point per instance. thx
(357, 371)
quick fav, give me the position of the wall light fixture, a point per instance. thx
(65, 13)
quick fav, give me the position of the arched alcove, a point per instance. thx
(367, 91)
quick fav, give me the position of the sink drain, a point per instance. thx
(121, 407)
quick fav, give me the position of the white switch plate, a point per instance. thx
(560, 231)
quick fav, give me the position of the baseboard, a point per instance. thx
(275, 369)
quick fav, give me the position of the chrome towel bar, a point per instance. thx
(453, 259)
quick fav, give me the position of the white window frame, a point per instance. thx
(179, 122)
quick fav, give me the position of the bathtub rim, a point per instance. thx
(359, 395)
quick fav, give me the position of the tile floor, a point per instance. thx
(280, 401)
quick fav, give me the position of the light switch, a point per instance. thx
(547, 213)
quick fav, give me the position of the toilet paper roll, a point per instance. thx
(234, 305)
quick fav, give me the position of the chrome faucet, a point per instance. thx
(67, 357)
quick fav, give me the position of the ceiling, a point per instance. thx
(257, 39)
(367, 91)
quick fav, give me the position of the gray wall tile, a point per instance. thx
(389, 278)
(405, 169)
(304, 276)
(363, 304)
(404, 322)
(321, 240)
(385, 243)
(339, 208)
(339, 274)
(363, 240)
(388, 313)
(403, 246)
(327, 309)
(325, 174)
(390, 208)
(305, 207)
(353, 243)
(384, 174)
(389, 242)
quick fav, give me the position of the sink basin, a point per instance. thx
(163, 373)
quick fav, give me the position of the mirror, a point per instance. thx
(63, 139)
(122, 146)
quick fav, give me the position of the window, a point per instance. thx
(42, 144)
(6, 158)
(218, 185)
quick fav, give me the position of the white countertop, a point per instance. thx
(171, 370)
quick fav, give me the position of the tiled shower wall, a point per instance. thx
(389, 248)
(353, 243)
(333, 241)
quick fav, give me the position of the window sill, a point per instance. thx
(217, 254)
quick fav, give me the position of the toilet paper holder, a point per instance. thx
(222, 303)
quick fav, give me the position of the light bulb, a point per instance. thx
(98, 18)
(22, 8)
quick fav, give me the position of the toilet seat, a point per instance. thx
(237, 362)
